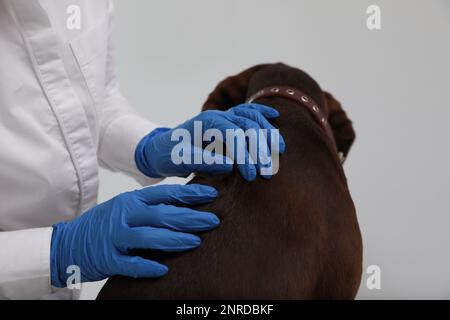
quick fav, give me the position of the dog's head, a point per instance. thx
(237, 89)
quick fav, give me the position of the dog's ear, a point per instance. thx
(231, 91)
(340, 124)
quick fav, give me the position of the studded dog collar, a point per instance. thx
(319, 114)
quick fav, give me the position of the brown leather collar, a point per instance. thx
(319, 114)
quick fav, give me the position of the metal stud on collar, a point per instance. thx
(290, 91)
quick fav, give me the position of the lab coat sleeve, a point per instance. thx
(121, 128)
(25, 263)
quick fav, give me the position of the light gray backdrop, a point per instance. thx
(394, 84)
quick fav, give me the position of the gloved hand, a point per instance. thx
(98, 242)
(153, 153)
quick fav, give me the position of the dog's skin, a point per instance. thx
(295, 236)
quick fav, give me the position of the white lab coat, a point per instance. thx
(61, 114)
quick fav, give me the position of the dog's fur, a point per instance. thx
(295, 236)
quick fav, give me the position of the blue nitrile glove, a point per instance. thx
(99, 241)
(153, 154)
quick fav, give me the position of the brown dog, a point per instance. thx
(295, 236)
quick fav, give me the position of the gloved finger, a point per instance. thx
(157, 239)
(241, 156)
(263, 123)
(258, 144)
(191, 194)
(266, 111)
(172, 217)
(210, 163)
(138, 267)
(245, 166)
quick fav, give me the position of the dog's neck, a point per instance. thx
(319, 113)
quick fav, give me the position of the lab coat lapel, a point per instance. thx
(42, 43)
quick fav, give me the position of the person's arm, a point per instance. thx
(34, 262)
(102, 241)
(25, 263)
(121, 127)
(133, 145)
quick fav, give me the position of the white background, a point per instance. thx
(394, 84)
